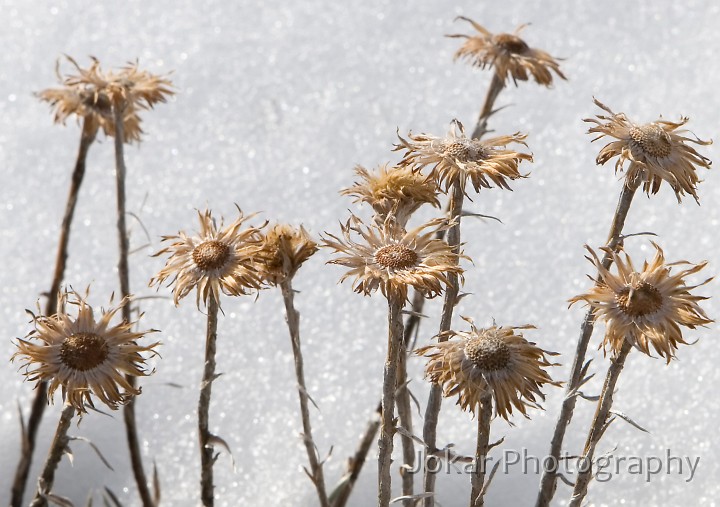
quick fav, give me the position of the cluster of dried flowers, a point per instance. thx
(493, 371)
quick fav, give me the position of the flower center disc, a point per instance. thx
(511, 43)
(211, 255)
(640, 299)
(83, 351)
(652, 139)
(396, 257)
(488, 354)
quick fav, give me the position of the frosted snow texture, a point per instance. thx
(277, 101)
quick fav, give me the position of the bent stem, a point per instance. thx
(548, 482)
(207, 458)
(435, 399)
(599, 425)
(57, 449)
(293, 322)
(483, 437)
(87, 136)
(124, 275)
(387, 426)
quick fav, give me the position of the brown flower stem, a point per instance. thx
(124, 275)
(548, 482)
(404, 409)
(57, 449)
(207, 458)
(87, 136)
(387, 425)
(483, 438)
(451, 293)
(599, 424)
(496, 86)
(341, 493)
(293, 322)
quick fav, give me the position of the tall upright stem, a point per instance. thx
(477, 480)
(548, 482)
(57, 448)
(124, 275)
(496, 86)
(435, 399)
(599, 425)
(293, 322)
(387, 425)
(87, 136)
(404, 410)
(207, 458)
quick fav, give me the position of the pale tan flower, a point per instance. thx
(457, 158)
(657, 151)
(645, 307)
(83, 356)
(393, 191)
(282, 251)
(92, 94)
(389, 258)
(508, 54)
(214, 260)
(496, 360)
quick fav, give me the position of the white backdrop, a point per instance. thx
(277, 101)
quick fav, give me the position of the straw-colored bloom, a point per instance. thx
(656, 151)
(496, 360)
(393, 191)
(645, 307)
(508, 54)
(214, 260)
(389, 258)
(84, 356)
(282, 251)
(457, 158)
(92, 94)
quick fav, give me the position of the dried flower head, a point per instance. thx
(282, 251)
(393, 191)
(456, 158)
(508, 54)
(214, 260)
(645, 307)
(657, 151)
(92, 94)
(496, 360)
(392, 259)
(83, 356)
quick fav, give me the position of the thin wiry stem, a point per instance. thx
(293, 322)
(548, 482)
(207, 457)
(124, 275)
(387, 427)
(599, 425)
(87, 136)
(451, 293)
(404, 409)
(57, 449)
(477, 479)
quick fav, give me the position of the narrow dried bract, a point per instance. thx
(645, 307)
(457, 158)
(92, 93)
(214, 260)
(83, 356)
(657, 151)
(508, 54)
(392, 259)
(393, 191)
(283, 249)
(495, 359)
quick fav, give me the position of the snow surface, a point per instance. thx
(277, 101)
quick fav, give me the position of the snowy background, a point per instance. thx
(277, 101)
